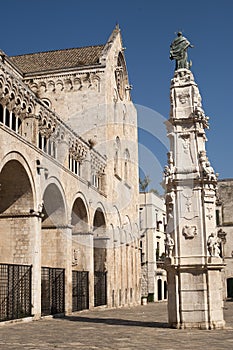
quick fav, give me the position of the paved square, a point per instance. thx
(139, 328)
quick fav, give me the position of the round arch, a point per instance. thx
(117, 218)
(16, 189)
(79, 216)
(127, 228)
(99, 223)
(54, 207)
(16, 156)
(80, 195)
(159, 289)
(17, 203)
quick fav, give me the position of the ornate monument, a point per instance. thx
(194, 265)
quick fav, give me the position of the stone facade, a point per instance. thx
(69, 168)
(194, 265)
(152, 216)
(224, 218)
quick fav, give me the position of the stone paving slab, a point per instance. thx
(140, 328)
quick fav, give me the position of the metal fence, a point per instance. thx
(15, 291)
(52, 291)
(80, 290)
(100, 289)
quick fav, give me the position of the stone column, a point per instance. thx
(36, 264)
(194, 267)
(67, 234)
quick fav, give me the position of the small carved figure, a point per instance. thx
(170, 200)
(75, 257)
(178, 51)
(213, 245)
(209, 171)
(167, 170)
(40, 207)
(170, 159)
(169, 245)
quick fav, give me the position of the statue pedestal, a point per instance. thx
(195, 296)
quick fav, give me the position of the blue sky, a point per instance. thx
(148, 27)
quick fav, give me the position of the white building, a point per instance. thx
(152, 219)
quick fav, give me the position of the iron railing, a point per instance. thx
(15, 291)
(52, 291)
(100, 288)
(80, 290)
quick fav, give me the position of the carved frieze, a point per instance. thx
(66, 83)
(77, 149)
(47, 123)
(97, 163)
(15, 96)
(182, 77)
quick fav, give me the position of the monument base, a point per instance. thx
(204, 326)
(195, 296)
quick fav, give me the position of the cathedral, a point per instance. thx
(69, 182)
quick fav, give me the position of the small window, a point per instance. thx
(7, 121)
(46, 102)
(217, 217)
(13, 122)
(40, 141)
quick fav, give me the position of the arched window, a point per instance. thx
(121, 76)
(116, 156)
(126, 164)
(124, 121)
(74, 165)
(10, 119)
(159, 286)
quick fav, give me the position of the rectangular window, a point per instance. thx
(40, 141)
(217, 217)
(7, 120)
(13, 122)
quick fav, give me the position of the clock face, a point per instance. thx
(119, 76)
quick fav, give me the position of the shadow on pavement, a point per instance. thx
(117, 322)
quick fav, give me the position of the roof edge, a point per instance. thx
(56, 50)
(63, 70)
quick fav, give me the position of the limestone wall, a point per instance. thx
(225, 207)
(63, 192)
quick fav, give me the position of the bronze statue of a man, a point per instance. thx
(178, 51)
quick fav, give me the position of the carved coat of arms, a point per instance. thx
(189, 231)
